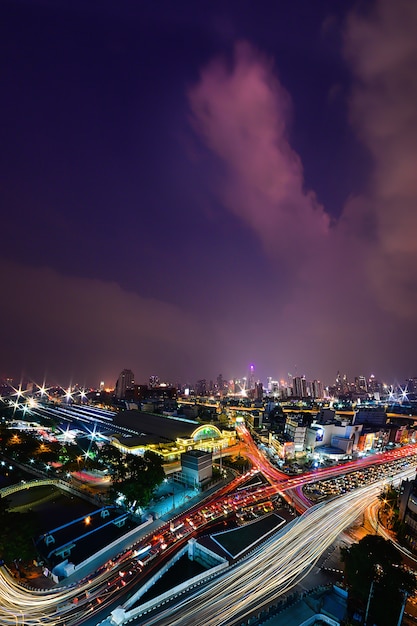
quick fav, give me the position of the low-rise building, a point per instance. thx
(196, 467)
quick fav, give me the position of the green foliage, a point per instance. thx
(389, 496)
(140, 477)
(238, 463)
(374, 562)
(17, 532)
(223, 419)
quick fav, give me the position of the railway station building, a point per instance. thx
(167, 436)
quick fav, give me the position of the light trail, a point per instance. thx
(254, 583)
(21, 606)
(272, 569)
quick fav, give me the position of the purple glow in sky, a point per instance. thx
(188, 188)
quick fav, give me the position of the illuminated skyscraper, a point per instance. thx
(251, 378)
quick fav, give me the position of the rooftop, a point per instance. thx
(151, 427)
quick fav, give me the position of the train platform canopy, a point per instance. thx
(151, 428)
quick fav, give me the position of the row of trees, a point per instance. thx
(135, 477)
(134, 474)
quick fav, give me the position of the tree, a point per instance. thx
(389, 506)
(17, 532)
(141, 477)
(223, 419)
(375, 575)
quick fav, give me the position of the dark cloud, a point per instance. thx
(347, 286)
(381, 48)
(185, 205)
(71, 327)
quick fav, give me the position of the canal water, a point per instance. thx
(53, 508)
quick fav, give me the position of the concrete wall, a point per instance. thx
(122, 614)
(207, 558)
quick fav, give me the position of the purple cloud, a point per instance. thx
(242, 112)
(352, 282)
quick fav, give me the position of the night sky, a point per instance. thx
(188, 187)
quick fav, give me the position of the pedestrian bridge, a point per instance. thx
(7, 491)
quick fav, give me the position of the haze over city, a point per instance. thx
(188, 188)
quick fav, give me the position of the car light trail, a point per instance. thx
(272, 569)
(254, 583)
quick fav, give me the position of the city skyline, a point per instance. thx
(292, 386)
(189, 189)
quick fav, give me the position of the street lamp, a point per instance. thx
(400, 617)
(377, 572)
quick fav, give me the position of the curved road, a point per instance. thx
(272, 569)
(255, 582)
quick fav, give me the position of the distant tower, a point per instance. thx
(220, 384)
(125, 381)
(201, 387)
(259, 392)
(251, 378)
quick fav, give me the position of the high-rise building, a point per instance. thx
(299, 387)
(362, 383)
(317, 389)
(342, 385)
(201, 387)
(411, 386)
(374, 386)
(125, 381)
(251, 378)
(259, 392)
(273, 386)
(220, 384)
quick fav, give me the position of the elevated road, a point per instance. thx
(272, 569)
(255, 582)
